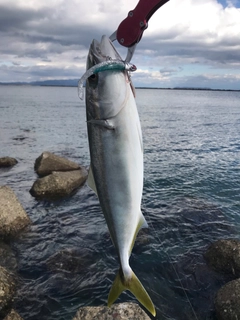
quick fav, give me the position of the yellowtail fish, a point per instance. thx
(116, 152)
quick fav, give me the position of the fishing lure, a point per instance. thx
(109, 64)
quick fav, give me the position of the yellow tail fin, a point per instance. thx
(134, 285)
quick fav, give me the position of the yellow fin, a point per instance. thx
(133, 285)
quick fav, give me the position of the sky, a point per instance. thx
(188, 43)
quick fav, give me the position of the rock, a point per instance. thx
(7, 291)
(227, 302)
(142, 237)
(7, 257)
(48, 162)
(7, 162)
(70, 260)
(120, 311)
(13, 217)
(58, 184)
(13, 315)
(224, 256)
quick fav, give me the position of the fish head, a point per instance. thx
(106, 91)
(101, 51)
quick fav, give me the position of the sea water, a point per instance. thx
(191, 198)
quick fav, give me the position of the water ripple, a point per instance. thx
(190, 198)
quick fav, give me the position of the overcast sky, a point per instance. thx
(193, 43)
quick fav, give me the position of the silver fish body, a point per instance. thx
(116, 171)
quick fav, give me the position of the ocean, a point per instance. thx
(191, 198)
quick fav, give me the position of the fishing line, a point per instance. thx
(170, 259)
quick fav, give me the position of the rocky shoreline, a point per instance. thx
(13, 220)
(59, 178)
(223, 256)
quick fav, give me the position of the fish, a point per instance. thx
(116, 167)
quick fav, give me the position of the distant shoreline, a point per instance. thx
(183, 88)
(145, 88)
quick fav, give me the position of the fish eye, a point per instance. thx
(93, 80)
(93, 77)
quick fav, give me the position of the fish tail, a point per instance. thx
(133, 285)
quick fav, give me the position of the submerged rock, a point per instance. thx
(70, 260)
(6, 162)
(58, 184)
(13, 315)
(120, 311)
(7, 291)
(48, 162)
(13, 217)
(7, 257)
(227, 302)
(224, 256)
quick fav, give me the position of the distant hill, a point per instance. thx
(62, 83)
(74, 83)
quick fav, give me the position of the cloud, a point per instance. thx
(200, 28)
(170, 71)
(185, 39)
(41, 72)
(213, 81)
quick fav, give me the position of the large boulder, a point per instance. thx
(120, 311)
(13, 315)
(224, 256)
(7, 291)
(58, 184)
(227, 302)
(6, 162)
(48, 162)
(13, 217)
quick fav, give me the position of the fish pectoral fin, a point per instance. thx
(134, 286)
(102, 123)
(140, 136)
(90, 180)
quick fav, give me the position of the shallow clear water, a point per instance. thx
(191, 197)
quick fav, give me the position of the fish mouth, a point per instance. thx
(101, 51)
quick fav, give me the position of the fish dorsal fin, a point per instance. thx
(142, 223)
(91, 181)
